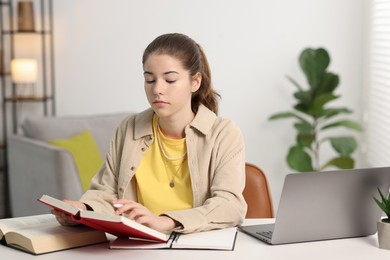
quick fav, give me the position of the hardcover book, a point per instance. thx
(116, 225)
(43, 234)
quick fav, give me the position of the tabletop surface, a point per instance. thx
(246, 247)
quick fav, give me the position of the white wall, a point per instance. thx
(251, 46)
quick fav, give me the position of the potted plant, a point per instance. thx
(384, 224)
(314, 118)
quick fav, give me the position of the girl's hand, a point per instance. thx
(142, 215)
(64, 218)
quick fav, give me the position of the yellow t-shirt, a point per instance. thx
(155, 174)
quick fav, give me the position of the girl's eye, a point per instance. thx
(149, 81)
(170, 81)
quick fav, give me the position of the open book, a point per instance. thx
(42, 234)
(223, 239)
(132, 235)
(116, 225)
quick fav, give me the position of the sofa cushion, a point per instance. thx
(101, 127)
(85, 154)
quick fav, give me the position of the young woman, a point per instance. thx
(177, 165)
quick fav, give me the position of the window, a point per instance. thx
(377, 127)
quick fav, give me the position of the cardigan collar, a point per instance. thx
(204, 120)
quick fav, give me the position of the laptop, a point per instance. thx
(326, 205)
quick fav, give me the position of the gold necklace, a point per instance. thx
(166, 158)
(162, 148)
(171, 182)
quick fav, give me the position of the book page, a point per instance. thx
(222, 239)
(49, 229)
(49, 237)
(129, 243)
(12, 224)
(58, 204)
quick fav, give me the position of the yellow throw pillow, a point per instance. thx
(85, 153)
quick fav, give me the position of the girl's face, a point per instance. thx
(169, 86)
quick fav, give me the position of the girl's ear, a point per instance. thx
(196, 81)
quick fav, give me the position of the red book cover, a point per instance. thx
(116, 225)
(120, 226)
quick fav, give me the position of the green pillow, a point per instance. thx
(85, 153)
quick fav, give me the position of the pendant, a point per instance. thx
(171, 184)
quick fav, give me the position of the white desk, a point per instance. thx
(246, 248)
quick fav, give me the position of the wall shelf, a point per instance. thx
(22, 32)
(27, 98)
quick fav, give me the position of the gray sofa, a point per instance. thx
(37, 167)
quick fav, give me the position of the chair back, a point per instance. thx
(256, 193)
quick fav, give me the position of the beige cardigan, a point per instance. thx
(216, 161)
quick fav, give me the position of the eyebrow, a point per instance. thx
(165, 73)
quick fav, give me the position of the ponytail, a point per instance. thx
(205, 95)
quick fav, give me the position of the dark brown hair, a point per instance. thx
(193, 59)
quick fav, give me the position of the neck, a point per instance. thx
(174, 128)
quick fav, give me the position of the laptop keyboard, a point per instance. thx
(267, 234)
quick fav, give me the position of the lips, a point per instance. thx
(159, 102)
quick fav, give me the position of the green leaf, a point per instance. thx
(345, 146)
(319, 102)
(345, 123)
(380, 204)
(314, 62)
(385, 199)
(303, 108)
(294, 82)
(305, 140)
(340, 162)
(284, 115)
(299, 160)
(304, 128)
(329, 83)
(384, 204)
(304, 98)
(330, 112)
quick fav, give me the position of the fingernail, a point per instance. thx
(117, 205)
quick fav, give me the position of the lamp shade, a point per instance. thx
(25, 16)
(24, 70)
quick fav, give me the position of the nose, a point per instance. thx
(158, 87)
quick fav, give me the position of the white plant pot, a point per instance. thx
(384, 233)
